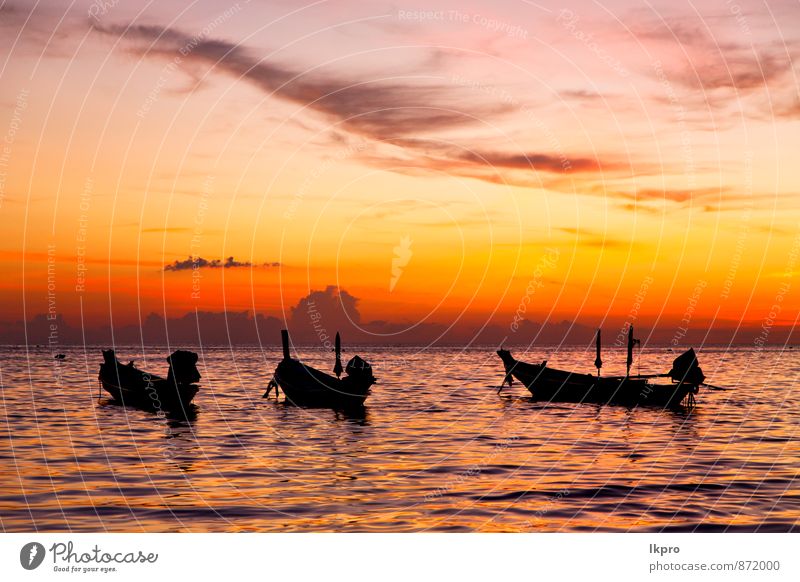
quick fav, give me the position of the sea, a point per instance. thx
(435, 449)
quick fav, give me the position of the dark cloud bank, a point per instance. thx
(316, 318)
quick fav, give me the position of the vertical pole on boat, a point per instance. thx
(337, 367)
(285, 342)
(631, 343)
(598, 362)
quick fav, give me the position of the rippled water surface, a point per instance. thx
(435, 449)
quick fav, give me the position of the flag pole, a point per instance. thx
(598, 361)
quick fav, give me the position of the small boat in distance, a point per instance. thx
(554, 385)
(306, 386)
(132, 386)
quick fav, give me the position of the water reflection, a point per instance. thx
(188, 413)
(435, 448)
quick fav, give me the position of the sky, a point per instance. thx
(435, 163)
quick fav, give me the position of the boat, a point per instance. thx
(550, 384)
(131, 386)
(303, 385)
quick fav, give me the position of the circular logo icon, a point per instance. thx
(31, 555)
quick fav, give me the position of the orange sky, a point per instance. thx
(599, 163)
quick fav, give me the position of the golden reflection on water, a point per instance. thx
(435, 449)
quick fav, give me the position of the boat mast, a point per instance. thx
(337, 367)
(631, 343)
(598, 362)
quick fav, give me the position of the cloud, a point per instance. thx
(738, 69)
(541, 162)
(671, 31)
(426, 156)
(320, 314)
(376, 109)
(39, 30)
(582, 95)
(332, 298)
(8, 11)
(172, 229)
(677, 195)
(12, 17)
(395, 113)
(790, 110)
(201, 263)
(592, 239)
(713, 62)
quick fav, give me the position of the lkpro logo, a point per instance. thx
(31, 555)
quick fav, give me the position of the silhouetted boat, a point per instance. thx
(554, 385)
(132, 386)
(307, 386)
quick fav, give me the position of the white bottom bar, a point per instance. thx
(334, 557)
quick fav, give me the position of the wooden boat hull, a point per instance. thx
(306, 386)
(133, 387)
(554, 385)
